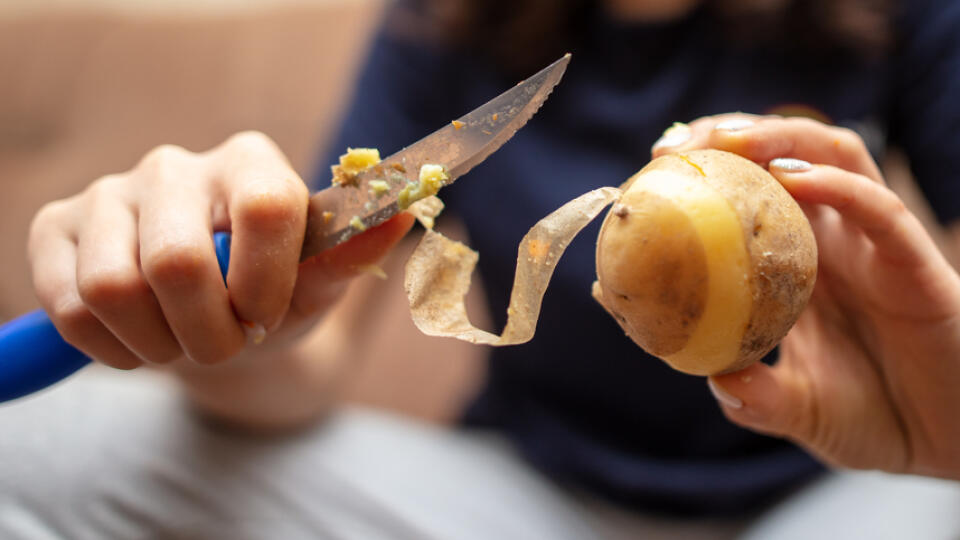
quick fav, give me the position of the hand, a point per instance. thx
(870, 375)
(128, 273)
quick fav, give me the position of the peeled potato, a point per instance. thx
(705, 261)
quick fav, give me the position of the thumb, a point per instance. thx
(772, 400)
(323, 277)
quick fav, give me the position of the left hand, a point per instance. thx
(869, 377)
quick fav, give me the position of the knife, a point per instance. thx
(33, 356)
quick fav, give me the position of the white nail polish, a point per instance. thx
(791, 165)
(256, 333)
(723, 396)
(735, 124)
(675, 135)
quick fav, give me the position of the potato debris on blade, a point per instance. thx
(437, 275)
(432, 178)
(426, 210)
(355, 161)
(379, 188)
(357, 223)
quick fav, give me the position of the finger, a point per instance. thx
(764, 138)
(771, 400)
(323, 277)
(54, 263)
(769, 138)
(267, 204)
(839, 241)
(682, 137)
(109, 279)
(178, 258)
(873, 207)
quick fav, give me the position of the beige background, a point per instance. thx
(143, 7)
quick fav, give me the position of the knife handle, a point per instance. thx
(33, 356)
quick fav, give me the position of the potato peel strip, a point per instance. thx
(437, 275)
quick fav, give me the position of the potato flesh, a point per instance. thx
(715, 341)
(358, 159)
(352, 163)
(655, 271)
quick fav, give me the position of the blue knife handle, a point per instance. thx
(33, 356)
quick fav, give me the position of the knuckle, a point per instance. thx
(104, 185)
(893, 203)
(250, 141)
(177, 264)
(268, 202)
(758, 148)
(894, 210)
(51, 211)
(897, 208)
(163, 156)
(105, 189)
(108, 289)
(849, 140)
(47, 217)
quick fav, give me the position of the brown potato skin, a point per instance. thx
(779, 242)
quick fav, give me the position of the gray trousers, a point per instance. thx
(111, 455)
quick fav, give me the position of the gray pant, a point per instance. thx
(119, 455)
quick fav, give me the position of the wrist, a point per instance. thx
(270, 387)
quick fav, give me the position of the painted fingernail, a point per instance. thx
(256, 333)
(675, 135)
(723, 396)
(791, 165)
(734, 124)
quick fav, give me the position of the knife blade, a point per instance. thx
(457, 146)
(33, 355)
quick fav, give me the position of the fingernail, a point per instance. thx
(791, 165)
(675, 135)
(723, 396)
(256, 333)
(734, 124)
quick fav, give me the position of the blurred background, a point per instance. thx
(88, 86)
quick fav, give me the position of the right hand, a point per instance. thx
(128, 274)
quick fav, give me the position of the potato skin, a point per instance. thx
(652, 285)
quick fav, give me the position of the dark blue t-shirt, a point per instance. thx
(581, 400)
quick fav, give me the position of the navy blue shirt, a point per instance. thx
(581, 401)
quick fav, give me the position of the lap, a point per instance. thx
(851, 505)
(119, 455)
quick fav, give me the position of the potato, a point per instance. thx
(705, 261)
